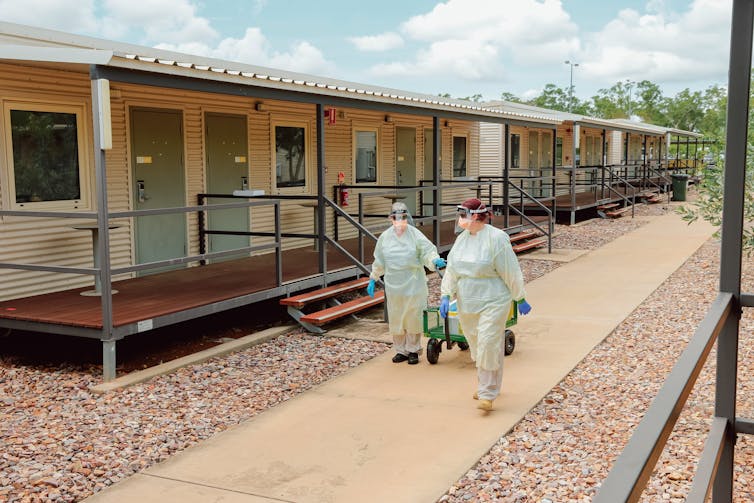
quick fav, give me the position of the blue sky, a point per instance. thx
(462, 47)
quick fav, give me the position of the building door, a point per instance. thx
(227, 170)
(159, 182)
(405, 163)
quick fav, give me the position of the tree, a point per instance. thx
(552, 97)
(650, 103)
(613, 103)
(686, 110)
(506, 96)
(709, 203)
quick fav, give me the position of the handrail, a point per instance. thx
(632, 469)
(547, 210)
(608, 186)
(651, 170)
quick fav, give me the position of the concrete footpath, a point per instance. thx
(399, 433)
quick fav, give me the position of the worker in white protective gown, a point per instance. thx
(401, 254)
(483, 275)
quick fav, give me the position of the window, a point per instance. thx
(558, 151)
(290, 156)
(45, 155)
(365, 156)
(459, 156)
(515, 151)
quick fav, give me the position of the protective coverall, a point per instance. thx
(402, 259)
(484, 275)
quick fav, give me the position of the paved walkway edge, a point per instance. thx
(165, 368)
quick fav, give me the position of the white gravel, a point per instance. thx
(62, 443)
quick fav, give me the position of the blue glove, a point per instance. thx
(439, 262)
(444, 306)
(524, 307)
(370, 288)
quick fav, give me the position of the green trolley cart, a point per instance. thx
(449, 331)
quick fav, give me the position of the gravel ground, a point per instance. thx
(543, 459)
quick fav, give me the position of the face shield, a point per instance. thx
(400, 217)
(465, 216)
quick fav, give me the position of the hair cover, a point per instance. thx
(399, 208)
(475, 206)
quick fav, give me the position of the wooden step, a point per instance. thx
(350, 307)
(528, 245)
(607, 206)
(527, 234)
(618, 213)
(299, 301)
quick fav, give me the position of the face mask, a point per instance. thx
(464, 222)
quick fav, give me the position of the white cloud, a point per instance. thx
(660, 46)
(471, 38)
(467, 59)
(75, 15)
(254, 49)
(382, 42)
(162, 21)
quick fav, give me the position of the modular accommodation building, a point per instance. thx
(581, 163)
(141, 187)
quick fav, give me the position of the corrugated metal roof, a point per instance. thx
(160, 61)
(620, 124)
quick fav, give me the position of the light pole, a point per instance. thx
(570, 88)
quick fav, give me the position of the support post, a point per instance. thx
(732, 229)
(108, 360)
(102, 140)
(506, 174)
(436, 175)
(321, 213)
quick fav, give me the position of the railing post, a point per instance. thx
(506, 176)
(732, 229)
(201, 224)
(320, 216)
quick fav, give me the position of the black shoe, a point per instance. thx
(413, 358)
(399, 358)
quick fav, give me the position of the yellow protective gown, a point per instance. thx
(483, 274)
(402, 259)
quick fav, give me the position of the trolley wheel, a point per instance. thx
(510, 342)
(434, 346)
(463, 346)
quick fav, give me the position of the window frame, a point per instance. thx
(453, 155)
(81, 112)
(515, 154)
(359, 128)
(276, 122)
(558, 151)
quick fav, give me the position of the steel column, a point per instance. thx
(739, 75)
(436, 175)
(320, 192)
(103, 228)
(506, 174)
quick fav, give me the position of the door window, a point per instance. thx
(365, 156)
(290, 156)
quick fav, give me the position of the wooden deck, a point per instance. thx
(158, 295)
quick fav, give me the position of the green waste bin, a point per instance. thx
(680, 182)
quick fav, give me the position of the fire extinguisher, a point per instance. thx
(343, 190)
